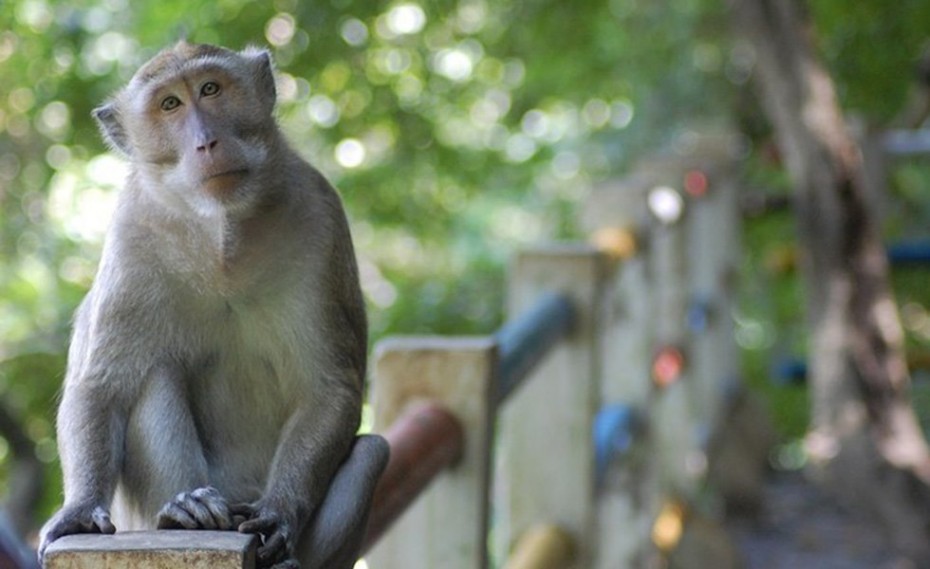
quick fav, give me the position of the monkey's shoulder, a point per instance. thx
(313, 190)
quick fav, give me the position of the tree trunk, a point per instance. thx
(864, 440)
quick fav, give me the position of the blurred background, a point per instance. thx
(456, 131)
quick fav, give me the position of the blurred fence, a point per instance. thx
(589, 418)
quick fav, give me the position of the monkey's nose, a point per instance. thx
(207, 146)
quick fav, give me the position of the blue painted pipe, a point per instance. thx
(524, 341)
(615, 430)
(915, 252)
(790, 371)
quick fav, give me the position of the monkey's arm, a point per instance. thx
(90, 437)
(93, 415)
(319, 435)
(313, 445)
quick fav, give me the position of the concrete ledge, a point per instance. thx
(162, 549)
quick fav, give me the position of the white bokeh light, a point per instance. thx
(323, 111)
(405, 19)
(280, 30)
(666, 204)
(350, 153)
(454, 64)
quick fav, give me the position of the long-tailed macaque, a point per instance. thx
(216, 368)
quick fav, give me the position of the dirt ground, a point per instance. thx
(801, 527)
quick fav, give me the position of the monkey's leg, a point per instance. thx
(165, 469)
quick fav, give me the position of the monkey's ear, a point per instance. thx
(112, 128)
(263, 72)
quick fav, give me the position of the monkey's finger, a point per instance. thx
(240, 514)
(274, 546)
(81, 525)
(216, 505)
(221, 517)
(194, 508)
(173, 516)
(199, 511)
(245, 510)
(263, 525)
(102, 520)
(273, 550)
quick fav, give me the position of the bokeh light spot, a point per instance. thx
(354, 32)
(405, 19)
(350, 153)
(454, 64)
(280, 30)
(696, 183)
(666, 204)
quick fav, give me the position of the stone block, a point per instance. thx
(162, 549)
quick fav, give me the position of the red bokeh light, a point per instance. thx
(667, 366)
(696, 183)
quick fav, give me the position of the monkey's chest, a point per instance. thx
(257, 343)
(254, 375)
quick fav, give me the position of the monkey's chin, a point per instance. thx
(224, 186)
(230, 193)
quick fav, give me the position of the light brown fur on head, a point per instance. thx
(184, 56)
(172, 60)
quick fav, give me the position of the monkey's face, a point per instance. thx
(205, 138)
(197, 123)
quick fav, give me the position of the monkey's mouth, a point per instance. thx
(223, 184)
(238, 173)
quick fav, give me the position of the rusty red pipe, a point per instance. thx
(425, 440)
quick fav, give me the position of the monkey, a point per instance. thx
(216, 367)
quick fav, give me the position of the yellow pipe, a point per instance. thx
(543, 547)
(619, 243)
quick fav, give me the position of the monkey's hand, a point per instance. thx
(203, 508)
(75, 518)
(278, 531)
(334, 536)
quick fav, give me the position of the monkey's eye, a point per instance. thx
(170, 103)
(209, 88)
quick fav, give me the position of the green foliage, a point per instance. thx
(771, 319)
(872, 47)
(28, 388)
